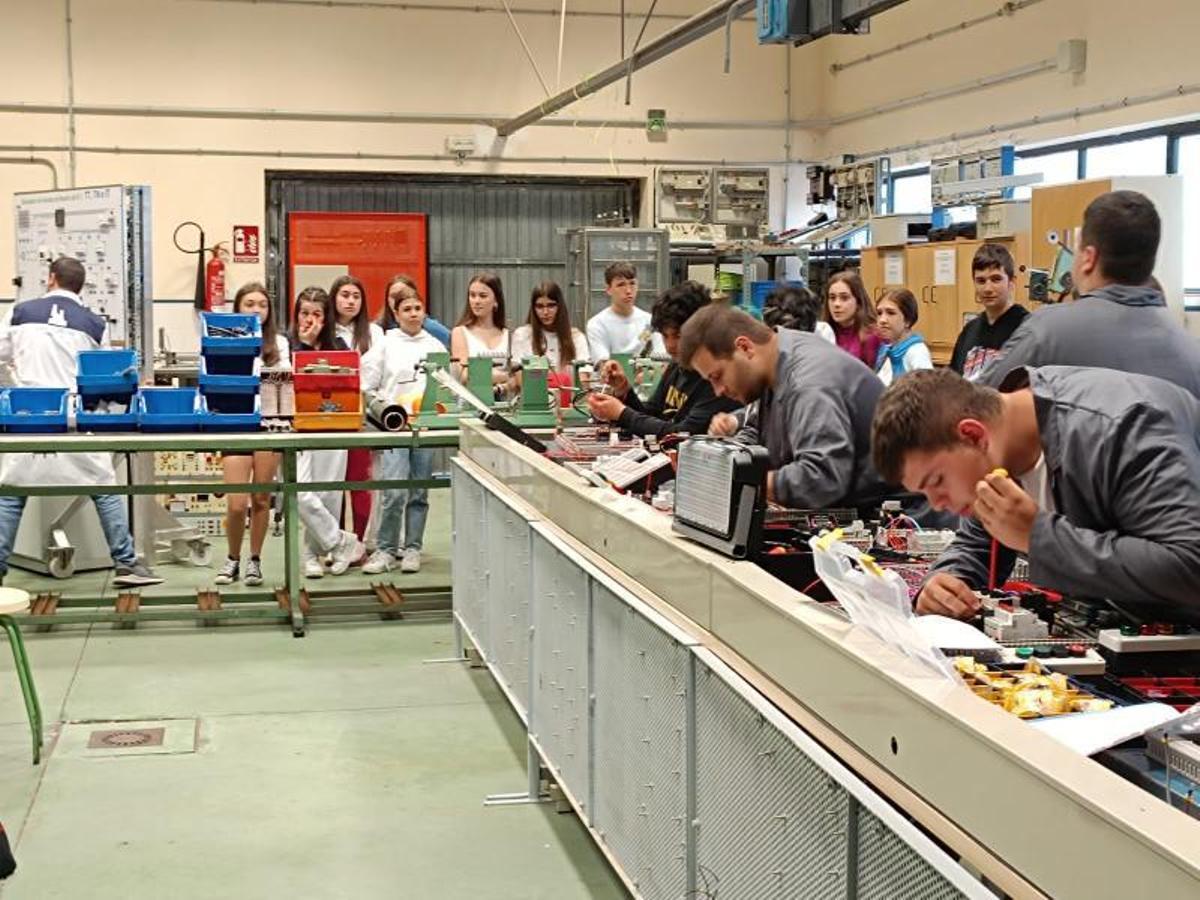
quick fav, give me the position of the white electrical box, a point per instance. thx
(107, 229)
(740, 197)
(684, 195)
(1011, 217)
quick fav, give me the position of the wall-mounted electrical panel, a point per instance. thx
(740, 197)
(972, 177)
(684, 195)
(736, 198)
(861, 189)
(107, 229)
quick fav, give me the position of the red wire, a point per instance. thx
(992, 565)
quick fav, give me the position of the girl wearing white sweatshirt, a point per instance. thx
(393, 373)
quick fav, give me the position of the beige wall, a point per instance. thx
(239, 55)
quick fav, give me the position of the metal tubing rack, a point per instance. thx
(243, 605)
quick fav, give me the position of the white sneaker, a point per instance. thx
(313, 568)
(381, 561)
(411, 561)
(349, 550)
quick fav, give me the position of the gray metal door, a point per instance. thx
(512, 226)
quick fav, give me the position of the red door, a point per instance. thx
(373, 246)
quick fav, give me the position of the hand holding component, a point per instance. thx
(614, 376)
(1005, 510)
(947, 595)
(604, 407)
(723, 425)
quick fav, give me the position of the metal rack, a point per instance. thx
(591, 250)
(682, 257)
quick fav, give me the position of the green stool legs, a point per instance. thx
(32, 708)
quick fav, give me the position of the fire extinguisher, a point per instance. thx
(214, 278)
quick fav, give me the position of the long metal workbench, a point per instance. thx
(708, 722)
(287, 444)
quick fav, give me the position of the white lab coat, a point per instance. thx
(40, 340)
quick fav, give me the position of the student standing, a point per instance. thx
(353, 326)
(386, 319)
(548, 331)
(261, 465)
(394, 374)
(481, 330)
(798, 309)
(993, 270)
(1120, 319)
(849, 312)
(621, 327)
(321, 511)
(904, 350)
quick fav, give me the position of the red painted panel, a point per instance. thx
(375, 246)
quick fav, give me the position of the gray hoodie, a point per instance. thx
(816, 425)
(1116, 327)
(1122, 456)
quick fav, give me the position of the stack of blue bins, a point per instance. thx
(106, 377)
(33, 410)
(230, 372)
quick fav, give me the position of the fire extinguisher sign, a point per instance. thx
(245, 243)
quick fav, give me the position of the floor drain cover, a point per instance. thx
(125, 737)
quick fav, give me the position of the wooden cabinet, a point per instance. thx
(934, 275)
(884, 268)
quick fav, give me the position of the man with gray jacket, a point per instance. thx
(812, 405)
(1119, 321)
(1093, 475)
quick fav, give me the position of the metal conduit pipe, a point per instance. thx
(33, 161)
(443, 7)
(680, 36)
(389, 157)
(1078, 112)
(975, 84)
(1006, 9)
(366, 118)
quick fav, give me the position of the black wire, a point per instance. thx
(175, 237)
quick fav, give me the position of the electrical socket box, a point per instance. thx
(741, 197)
(683, 195)
(782, 21)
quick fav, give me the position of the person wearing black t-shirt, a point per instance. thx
(992, 270)
(683, 402)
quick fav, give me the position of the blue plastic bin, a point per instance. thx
(34, 410)
(108, 372)
(234, 412)
(215, 343)
(168, 409)
(98, 422)
(230, 374)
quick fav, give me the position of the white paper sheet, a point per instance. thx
(1089, 733)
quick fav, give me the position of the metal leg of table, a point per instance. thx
(33, 709)
(533, 790)
(291, 542)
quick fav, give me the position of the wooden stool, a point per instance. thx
(15, 600)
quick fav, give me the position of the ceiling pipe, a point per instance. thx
(440, 8)
(377, 118)
(386, 157)
(692, 30)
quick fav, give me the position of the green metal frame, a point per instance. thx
(287, 444)
(33, 709)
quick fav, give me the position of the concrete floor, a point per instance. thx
(338, 766)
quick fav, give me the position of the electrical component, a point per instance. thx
(1011, 624)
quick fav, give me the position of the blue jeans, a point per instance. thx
(113, 521)
(407, 507)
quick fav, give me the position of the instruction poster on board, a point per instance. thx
(944, 262)
(893, 268)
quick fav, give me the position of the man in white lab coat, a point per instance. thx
(40, 341)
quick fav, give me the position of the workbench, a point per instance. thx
(706, 720)
(291, 597)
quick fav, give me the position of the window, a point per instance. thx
(1189, 168)
(1055, 168)
(911, 193)
(1145, 157)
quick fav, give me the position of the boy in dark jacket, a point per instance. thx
(684, 403)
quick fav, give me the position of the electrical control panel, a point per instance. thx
(684, 195)
(107, 229)
(860, 188)
(740, 197)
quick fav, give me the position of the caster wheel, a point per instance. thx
(61, 568)
(201, 555)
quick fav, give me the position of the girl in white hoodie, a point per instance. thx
(392, 372)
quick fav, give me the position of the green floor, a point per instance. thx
(342, 765)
